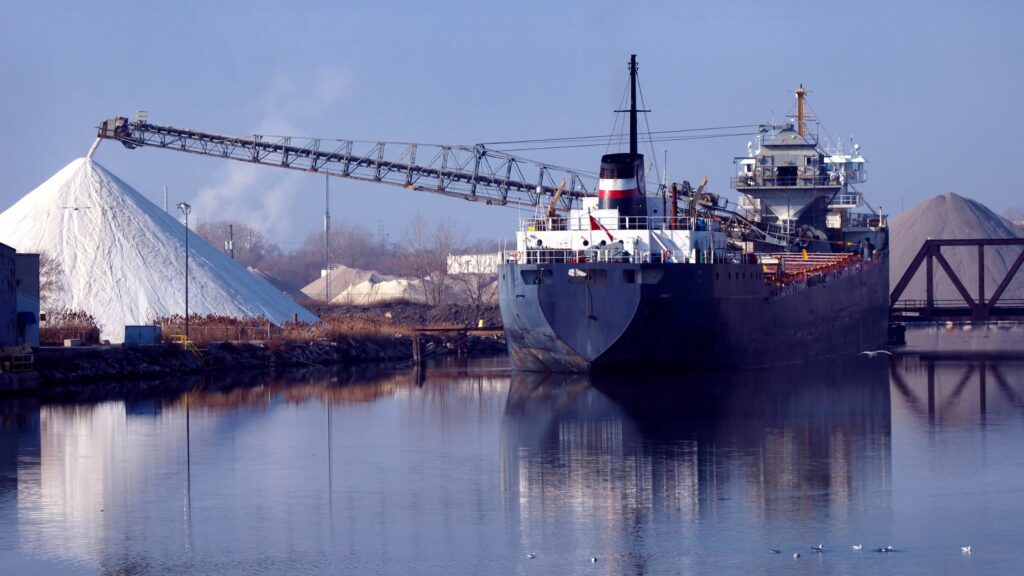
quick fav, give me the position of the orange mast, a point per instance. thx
(800, 93)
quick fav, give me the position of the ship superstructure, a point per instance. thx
(799, 192)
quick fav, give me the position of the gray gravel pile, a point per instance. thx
(952, 216)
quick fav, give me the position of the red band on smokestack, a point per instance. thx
(616, 194)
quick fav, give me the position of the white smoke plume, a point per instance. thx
(260, 196)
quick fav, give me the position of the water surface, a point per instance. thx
(467, 468)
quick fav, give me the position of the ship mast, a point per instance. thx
(634, 150)
(632, 105)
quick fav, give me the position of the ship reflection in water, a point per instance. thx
(468, 468)
(703, 467)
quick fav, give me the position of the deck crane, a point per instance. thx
(474, 173)
(552, 212)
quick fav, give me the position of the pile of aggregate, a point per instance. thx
(951, 216)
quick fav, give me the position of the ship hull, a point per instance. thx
(607, 317)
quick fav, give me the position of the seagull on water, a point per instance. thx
(874, 353)
(796, 554)
(593, 559)
(858, 547)
(885, 549)
(818, 548)
(965, 549)
(531, 555)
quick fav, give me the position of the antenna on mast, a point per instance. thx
(633, 149)
(632, 104)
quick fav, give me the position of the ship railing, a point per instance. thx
(590, 223)
(567, 256)
(865, 220)
(803, 275)
(917, 304)
(845, 201)
(563, 256)
(794, 181)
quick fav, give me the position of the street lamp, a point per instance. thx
(185, 209)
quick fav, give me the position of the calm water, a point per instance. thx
(329, 472)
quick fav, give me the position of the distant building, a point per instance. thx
(8, 297)
(26, 280)
(474, 263)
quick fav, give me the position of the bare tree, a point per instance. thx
(473, 277)
(251, 247)
(51, 281)
(351, 245)
(427, 247)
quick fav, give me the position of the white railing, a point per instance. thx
(845, 200)
(588, 223)
(547, 256)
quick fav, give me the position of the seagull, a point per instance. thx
(775, 550)
(531, 555)
(796, 554)
(818, 548)
(873, 353)
(593, 559)
(965, 549)
(858, 547)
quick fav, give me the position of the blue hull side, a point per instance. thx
(683, 316)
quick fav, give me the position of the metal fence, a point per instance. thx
(203, 334)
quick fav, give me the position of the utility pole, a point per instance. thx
(185, 209)
(327, 239)
(229, 246)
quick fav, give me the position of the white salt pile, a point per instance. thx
(382, 289)
(950, 216)
(342, 277)
(123, 258)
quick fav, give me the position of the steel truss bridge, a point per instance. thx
(969, 307)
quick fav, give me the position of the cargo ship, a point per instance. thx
(683, 279)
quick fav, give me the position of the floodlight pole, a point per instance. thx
(185, 209)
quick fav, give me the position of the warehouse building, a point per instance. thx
(19, 298)
(8, 297)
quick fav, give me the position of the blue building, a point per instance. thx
(19, 298)
(8, 297)
(26, 282)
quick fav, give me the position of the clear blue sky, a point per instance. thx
(930, 90)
